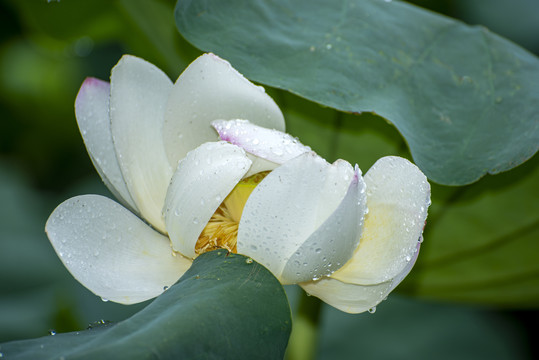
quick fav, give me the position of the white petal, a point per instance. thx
(353, 298)
(349, 298)
(288, 206)
(259, 165)
(398, 196)
(334, 242)
(111, 251)
(202, 181)
(210, 89)
(398, 279)
(92, 112)
(269, 144)
(139, 92)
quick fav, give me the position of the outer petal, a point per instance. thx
(398, 196)
(353, 298)
(210, 89)
(201, 182)
(139, 92)
(269, 144)
(288, 206)
(111, 251)
(349, 298)
(92, 112)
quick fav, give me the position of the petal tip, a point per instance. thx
(89, 86)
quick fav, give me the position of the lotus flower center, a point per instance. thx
(222, 229)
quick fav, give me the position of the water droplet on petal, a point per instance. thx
(104, 300)
(249, 261)
(372, 310)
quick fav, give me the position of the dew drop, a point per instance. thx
(165, 288)
(249, 261)
(104, 299)
(318, 250)
(52, 332)
(372, 310)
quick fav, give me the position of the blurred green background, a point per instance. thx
(46, 51)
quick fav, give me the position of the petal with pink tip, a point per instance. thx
(111, 251)
(398, 195)
(288, 206)
(334, 242)
(210, 89)
(269, 144)
(92, 112)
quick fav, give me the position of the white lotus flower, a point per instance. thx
(262, 193)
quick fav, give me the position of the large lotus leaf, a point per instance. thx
(465, 100)
(226, 306)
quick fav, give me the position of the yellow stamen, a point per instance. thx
(222, 229)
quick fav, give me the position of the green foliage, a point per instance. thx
(46, 51)
(481, 242)
(225, 307)
(464, 99)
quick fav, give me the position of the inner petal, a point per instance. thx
(221, 232)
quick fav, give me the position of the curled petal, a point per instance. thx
(350, 298)
(333, 243)
(288, 206)
(111, 251)
(202, 181)
(210, 89)
(92, 112)
(354, 298)
(269, 144)
(398, 196)
(139, 91)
